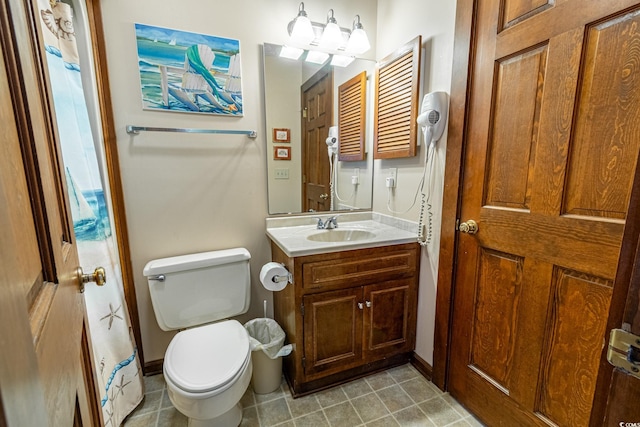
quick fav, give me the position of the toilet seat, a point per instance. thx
(207, 358)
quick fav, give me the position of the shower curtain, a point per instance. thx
(115, 355)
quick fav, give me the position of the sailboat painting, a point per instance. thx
(182, 71)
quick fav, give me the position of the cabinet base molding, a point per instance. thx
(299, 390)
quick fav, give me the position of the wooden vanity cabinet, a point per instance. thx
(347, 313)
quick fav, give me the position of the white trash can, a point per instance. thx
(266, 338)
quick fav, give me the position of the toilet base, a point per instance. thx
(232, 417)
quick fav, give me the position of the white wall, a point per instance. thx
(189, 193)
(400, 21)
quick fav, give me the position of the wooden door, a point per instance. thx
(317, 101)
(41, 367)
(551, 148)
(332, 332)
(389, 318)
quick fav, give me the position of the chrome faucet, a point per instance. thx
(329, 224)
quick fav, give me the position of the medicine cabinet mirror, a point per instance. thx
(298, 117)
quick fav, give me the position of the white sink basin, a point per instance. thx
(298, 236)
(341, 235)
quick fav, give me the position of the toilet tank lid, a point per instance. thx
(195, 261)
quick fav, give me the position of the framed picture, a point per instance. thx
(281, 135)
(282, 153)
(188, 72)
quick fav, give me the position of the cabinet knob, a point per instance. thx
(360, 306)
(368, 304)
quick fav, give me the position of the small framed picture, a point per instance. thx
(282, 153)
(281, 135)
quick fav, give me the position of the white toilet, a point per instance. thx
(207, 366)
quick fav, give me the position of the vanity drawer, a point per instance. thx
(377, 266)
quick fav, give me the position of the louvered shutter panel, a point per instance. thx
(352, 97)
(396, 106)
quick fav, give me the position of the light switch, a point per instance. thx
(281, 173)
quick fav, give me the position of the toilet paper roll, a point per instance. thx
(274, 276)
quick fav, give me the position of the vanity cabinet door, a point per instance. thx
(389, 318)
(332, 332)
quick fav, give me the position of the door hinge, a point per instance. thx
(304, 363)
(624, 352)
(302, 309)
(304, 112)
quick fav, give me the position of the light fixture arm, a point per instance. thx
(330, 18)
(357, 25)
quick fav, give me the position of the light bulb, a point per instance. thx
(331, 36)
(358, 42)
(302, 31)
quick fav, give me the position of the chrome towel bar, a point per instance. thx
(135, 130)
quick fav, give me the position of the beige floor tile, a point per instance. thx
(331, 397)
(394, 398)
(273, 412)
(315, 419)
(352, 404)
(356, 388)
(380, 380)
(250, 417)
(146, 420)
(412, 417)
(419, 390)
(172, 418)
(387, 421)
(369, 407)
(440, 412)
(303, 405)
(342, 415)
(403, 373)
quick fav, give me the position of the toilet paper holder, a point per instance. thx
(282, 278)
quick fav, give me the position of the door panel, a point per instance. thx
(389, 311)
(550, 156)
(317, 99)
(41, 249)
(332, 331)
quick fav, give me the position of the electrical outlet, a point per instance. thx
(355, 178)
(393, 174)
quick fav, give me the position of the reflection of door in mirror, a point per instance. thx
(317, 101)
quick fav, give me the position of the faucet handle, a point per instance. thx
(320, 224)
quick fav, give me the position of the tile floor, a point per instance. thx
(396, 397)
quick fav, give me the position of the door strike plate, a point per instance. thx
(624, 352)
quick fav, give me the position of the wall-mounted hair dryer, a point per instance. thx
(433, 115)
(332, 140)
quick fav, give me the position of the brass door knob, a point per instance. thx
(99, 276)
(469, 227)
(324, 196)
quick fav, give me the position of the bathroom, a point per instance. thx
(192, 193)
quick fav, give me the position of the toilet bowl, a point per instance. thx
(207, 370)
(207, 366)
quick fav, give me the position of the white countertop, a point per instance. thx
(290, 233)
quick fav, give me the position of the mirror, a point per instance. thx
(293, 159)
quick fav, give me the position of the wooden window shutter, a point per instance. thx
(352, 99)
(396, 103)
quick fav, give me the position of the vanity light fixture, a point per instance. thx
(291, 52)
(358, 41)
(317, 57)
(329, 37)
(341, 60)
(300, 29)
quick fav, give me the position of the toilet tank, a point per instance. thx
(195, 289)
